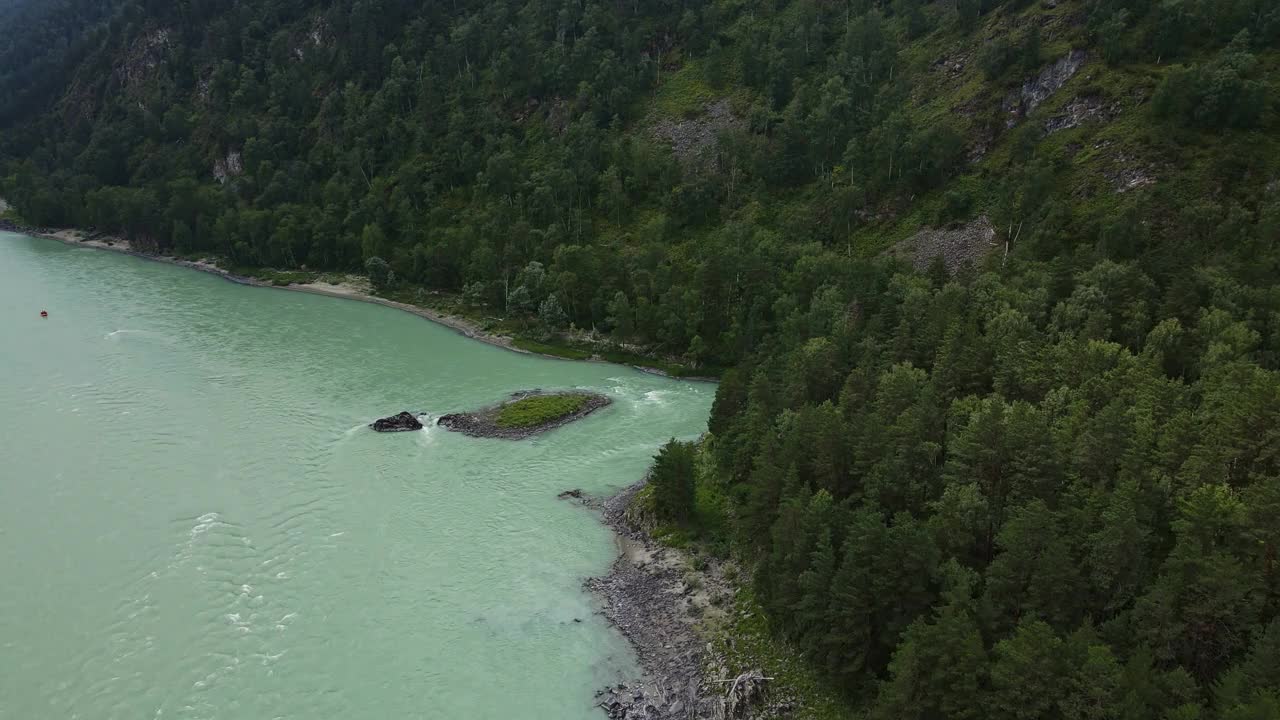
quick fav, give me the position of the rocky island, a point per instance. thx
(405, 421)
(525, 414)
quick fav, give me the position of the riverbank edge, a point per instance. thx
(645, 598)
(678, 610)
(457, 323)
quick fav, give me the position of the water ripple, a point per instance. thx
(208, 529)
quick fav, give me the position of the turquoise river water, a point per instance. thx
(196, 523)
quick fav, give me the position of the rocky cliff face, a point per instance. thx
(228, 167)
(1035, 91)
(145, 55)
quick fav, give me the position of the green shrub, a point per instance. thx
(1215, 95)
(539, 409)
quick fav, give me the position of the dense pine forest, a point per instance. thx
(997, 281)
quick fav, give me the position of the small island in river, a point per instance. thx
(525, 414)
(404, 422)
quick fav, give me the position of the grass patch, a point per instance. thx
(541, 348)
(683, 93)
(279, 278)
(620, 357)
(538, 410)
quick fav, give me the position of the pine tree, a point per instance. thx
(1035, 574)
(673, 481)
(1028, 674)
(1093, 687)
(939, 666)
(551, 315)
(1197, 611)
(380, 273)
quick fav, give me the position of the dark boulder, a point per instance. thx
(397, 423)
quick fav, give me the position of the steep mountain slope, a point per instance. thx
(43, 43)
(1032, 475)
(461, 143)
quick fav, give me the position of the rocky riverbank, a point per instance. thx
(668, 605)
(489, 422)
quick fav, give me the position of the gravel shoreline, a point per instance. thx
(645, 597)
(666, 605)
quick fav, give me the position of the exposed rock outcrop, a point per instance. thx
(965, 244)
(692, 140)
(1082, 110)
(1125, 170)
(229, 167)
(143, 58)
(1023, 101)
(405, 421)
(1129, 174)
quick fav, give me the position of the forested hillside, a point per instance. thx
(998, 280)
(42, 41)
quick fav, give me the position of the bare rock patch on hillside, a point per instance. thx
(143, 58)
(228, 167)
(1023, 101)
(693, 139)
(968, 243)
(1129, 174)
(1124, 170)
(1080, 111)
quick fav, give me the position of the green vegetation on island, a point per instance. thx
(526, 414)
(537, 410)
(996, 281)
